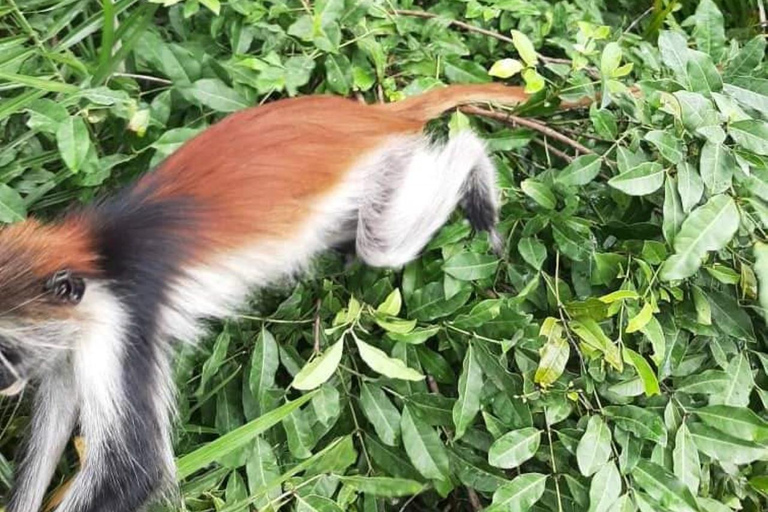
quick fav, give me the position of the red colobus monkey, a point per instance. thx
(93, 303)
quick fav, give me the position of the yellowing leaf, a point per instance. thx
(392, 304)
(641, 319)
(525, 48)
(320, 369)
(554, 356)
(381, 363)
(505, 68)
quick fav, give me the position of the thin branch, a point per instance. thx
(474, 499)
(638, 20)
(568, 158)
(316, 326)
(528, 123)
(147, 78)
(485, 32)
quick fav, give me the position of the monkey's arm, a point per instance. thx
(53, 418)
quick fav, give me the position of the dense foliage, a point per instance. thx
(614, 360)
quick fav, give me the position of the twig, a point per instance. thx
(761, 12)
(474, 499)
(486, 32)
(568, 158)
(528, 123)
(638, 20)
(147, 78)
(316, 329)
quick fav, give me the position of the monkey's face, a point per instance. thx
(38, 327)
(41, 286)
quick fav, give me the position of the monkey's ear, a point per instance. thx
(65, 287)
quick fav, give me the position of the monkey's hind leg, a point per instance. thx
(414, 190)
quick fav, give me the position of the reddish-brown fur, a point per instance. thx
(255, 174)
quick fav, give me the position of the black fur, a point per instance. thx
(141, 248)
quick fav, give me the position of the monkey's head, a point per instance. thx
(43, 271)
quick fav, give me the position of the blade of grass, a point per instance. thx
(19, 102)
(39, 83)
(295, 470)
(107, 33)
(129, 33)
(204, 455)
(90, 26)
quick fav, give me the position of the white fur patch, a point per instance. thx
(54, 417)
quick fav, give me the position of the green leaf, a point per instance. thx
(338, 73)
(644, 370)
(464, 71)
(716, 167)
(731, 318)
(12, 208)
(424, 447)
(264, 364)
(470, 387)
(641, 422)
(696, 110)
(384, 417)
(672, 211)
(686, 460)
(610, 59)
(581, 171)
(46, 115)
(520, 494)
(201, 457)
(381, 363)
(726, 448)
(708, 228)
(709, 28)
(604, 122)
(505, 68)
(215, 94)
(689, 185)
(642, 180)
(514, 448)
(748, 58)
(736, 421)
(704, 76)
(299, 434)
(383, 486)
(740, 383)
(320, 369)
(73, 141)
(666, 144)
(707, 382)
(540, 193)
(605, 488)
(674, 53)
(533, 252)
(760, 251)
(262, 469)
(525, 48)
(470, 266)
(751, 135)
(594, 448)
(662, 485)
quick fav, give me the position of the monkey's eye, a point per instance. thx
(64, 287)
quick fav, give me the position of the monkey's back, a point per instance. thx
(258, 172)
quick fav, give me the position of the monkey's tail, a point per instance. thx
(434, 102)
